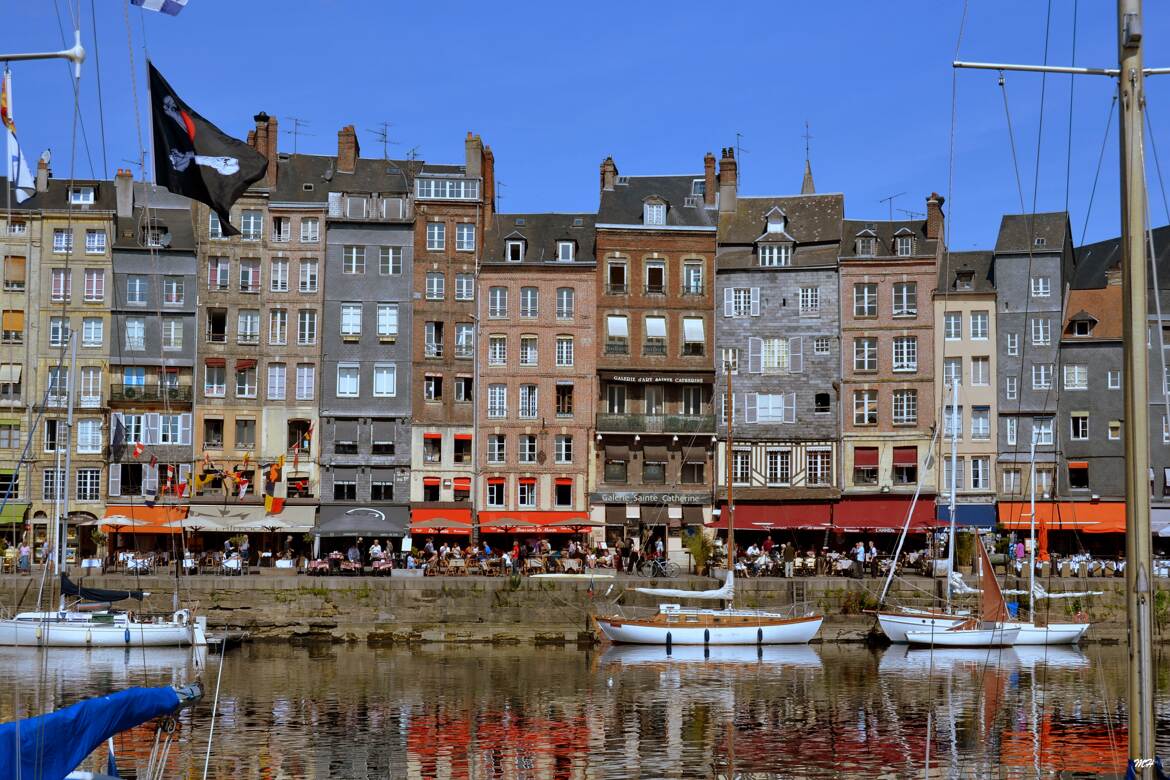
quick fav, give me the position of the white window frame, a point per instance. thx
(905, 354)
(905, 299)
(349, 375)
(1041, 287)
(953, 326)
(980, 325)
(436, 236)
(388, 387)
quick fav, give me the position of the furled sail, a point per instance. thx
(1038, 592)
(726, 593)
(958, 585)
(71, 588)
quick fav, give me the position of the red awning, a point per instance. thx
(564, 480)
(865, 457)
(505, 522)
(215, 361)
(245, 363)
(144, 519)
(766, 517)
(432, 436)
(419, 518)
(527, 480)
(1078, 464)
(431, 481)
(463, 483)
(463, 437)
(1104, 517)
(883, 513)
(905, 456)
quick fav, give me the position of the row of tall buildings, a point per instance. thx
(379, 347)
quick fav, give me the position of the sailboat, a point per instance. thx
(674, 624)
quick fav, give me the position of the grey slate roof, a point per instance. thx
(56, 198)
(623, 204)
(1094, 260)
(977, 263)
(1017, 232)
(541, 231)
(885, 231)
(813, 222)
(371, 175)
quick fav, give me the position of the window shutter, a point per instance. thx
(755, 355)
(115, 479)
(790, 407)
(796, 355)
(728, 301)
(149, 479)
(151, 428)
(751, 407)
(755, 301)
(335, 204)
(184, 429)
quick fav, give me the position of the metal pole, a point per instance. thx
(955, 423)
(76, 55)
(71, 393)
(730, 500)
(1136, 382)
(1032, 523)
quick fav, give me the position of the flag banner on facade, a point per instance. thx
(171, 7)
(16, 171)
(273, 505)
(138, 449)
(194, 158)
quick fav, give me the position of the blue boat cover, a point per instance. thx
(52, 745)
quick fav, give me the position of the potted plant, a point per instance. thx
(964, 552)
(100, 539)
(699, 545)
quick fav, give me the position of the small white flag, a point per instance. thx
(16, 170)
(171, 7)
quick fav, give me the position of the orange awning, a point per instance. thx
(506, 522)
(420, 517)
(1102, 517)
(1078, 464)
(144, 519)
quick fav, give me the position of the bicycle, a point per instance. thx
(657, 567)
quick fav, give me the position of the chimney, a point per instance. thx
(263, 140)
(609, 174)
(347, 150)
(1113, 277)
(934, 215)
(474, 149)
(709, 179)
(43, 175)
(489, 184)
(124, 190)
(728, 181)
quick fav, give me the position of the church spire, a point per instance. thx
(806, 185)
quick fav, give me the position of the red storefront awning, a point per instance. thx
(883, 513)
(905, 456)
(766, 517)
(1103, 517)
(505, 522)
(865, 457)
(420, 517)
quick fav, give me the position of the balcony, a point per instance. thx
(617, 289)
(655, 289)
(692, 290)
(654, 348)
(656, 423)
(617, 347)
(121, 393)
(433, 350)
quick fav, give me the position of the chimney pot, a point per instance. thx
(43, 175)
(473, 147)
(124, 194)
(709, 179)
(348, 150)
(728, 181)
(609, 173)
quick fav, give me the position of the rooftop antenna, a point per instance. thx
(807, 137)
(413, 153)
(382, 133)
(913, 214)
(296, 130)
(499, 193)
(739, 150)
(889, 200)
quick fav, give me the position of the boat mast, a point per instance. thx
(63, 486)
(1032, 524)
(955, 423)
(730, 500)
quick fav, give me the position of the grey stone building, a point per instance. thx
(777, 324)
(366, 349)
(1033, 261)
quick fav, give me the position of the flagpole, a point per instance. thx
(76, 55)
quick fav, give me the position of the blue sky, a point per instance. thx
(554, 88)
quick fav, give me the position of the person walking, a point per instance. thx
(871, 559)
(25, 558)
(859, 560)
(789, 560)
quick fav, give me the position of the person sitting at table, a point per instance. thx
(487, 552)
(227, 547)
(444, 550)
(375, 551)
(355, 554)
(591, 560)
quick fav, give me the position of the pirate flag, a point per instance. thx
(194, 158)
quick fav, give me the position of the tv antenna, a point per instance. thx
(297, 131)
(412, 155)
(889, 200)
(739, 150)
(913, 214)
(807, 137)
(382, 133)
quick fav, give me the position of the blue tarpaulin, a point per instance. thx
(53, 745)
(968, 515)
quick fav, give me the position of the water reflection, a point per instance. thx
(514, 713)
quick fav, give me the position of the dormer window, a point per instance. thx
(904, 246)
(1039, 241)
(865, 246)
(654, 213)
(1082, 328)
(514, 250)
(81, 195)
(565, 251)
(964, 280)
(698, 187)
(155, 236)
(775, 255)
(777, 221)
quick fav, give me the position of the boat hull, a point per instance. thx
(998, 636)
(77, 633)
(778, 631)
(1051, 634)
(896, 624)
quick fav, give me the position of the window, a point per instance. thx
(15, 273)
(387, 320)
(355, 206)
(276, 381)
(565, 251)
(774, 356)
(497, 448)
(810, 301)
(865, 465)
(91, 386)
(514, 250)
(436, 236)
(433, 339)
(432, 388)
(654, 213)
(566, 301)
(1114, 379)
(246, 382)
(1011, 426)
(306, 381)
(385, 380)
(822, 345)
(1041, 287)
(497, 401)
(353, 260)
(778, 467)
(95, 285)
(136, 290)
(774, 408)
(344, 485)
(218, 270)
(1078, 476)
(173, 289)
(1042, 376)
(979, 325)
(61, 284)
(529, 300)
(351, 320)
(1011, 480)
(251, 224)
(278, 326)
(62, 240)
(1114, 430)
(1013, 344)
(92, 332)
(81, 195)
(306, 327)
(497, 350)
(214, 228)
(564, 448)
(775, 255)
(464, 287)
(1076, 377)
(498, 302)
(692, 278)
(1041, 332)
(865, 299)
(248, 326)
(95, 242)
(981, 371)
(1078, 426)
(526, 448)
(88, 485)
(58, 331)
(1011, 387)
(310, 230)
(655, 277)
(981, 422)
(250, 276)
(818, 467)
(953, 325)
(135, 334)
(172, 333)
(865, 246)
(953, 422)
(347, 380)
(89, 436)
(741, 467)
(953, 470)
(564, 351)
(495, 492)
(822, 403)
(214, 383)
(905, 407)
(694, 337)
(464, 237)
(53, 484)
(564, 398)
(904, 246)
(1042, 429)
(464, 340)
(865, 354)
(865, 407)
(906, 353)
(436, 286)
(279, 278)
(389, 260)
(281, 230)
(906, 299)
(528, 402)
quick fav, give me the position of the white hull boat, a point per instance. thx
(676, 626)
(1050, 634)
(896, 624)
(997, 635)
(101, 629)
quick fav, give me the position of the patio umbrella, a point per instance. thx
(440, 524)
(581, 523)
(505, 525)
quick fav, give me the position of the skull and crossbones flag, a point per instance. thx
(194, 158)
